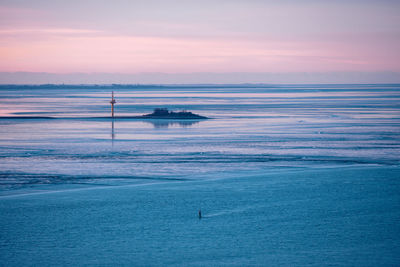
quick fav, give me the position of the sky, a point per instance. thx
(212, 36)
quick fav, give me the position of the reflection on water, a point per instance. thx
(159, 124)
(112, 131)
(169, 123)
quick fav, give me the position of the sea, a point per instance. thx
(284, 175)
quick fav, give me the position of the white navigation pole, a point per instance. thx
(112, 102)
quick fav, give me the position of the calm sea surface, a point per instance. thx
(284, 175)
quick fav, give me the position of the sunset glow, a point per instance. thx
(232, 36)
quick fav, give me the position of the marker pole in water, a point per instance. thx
(112, 102)
(199, 214)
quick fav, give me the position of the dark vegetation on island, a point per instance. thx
(163, 113)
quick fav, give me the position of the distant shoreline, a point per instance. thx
(177, 85)
(158, 113)
(103, 117)
(205, 78)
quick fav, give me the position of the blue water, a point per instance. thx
(289, 175)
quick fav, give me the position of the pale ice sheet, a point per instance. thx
(265, 128)
(284, 175)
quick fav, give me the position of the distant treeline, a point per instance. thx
(128, 86)
(76, 86)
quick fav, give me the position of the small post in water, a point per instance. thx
(112, 102)
(199, 214)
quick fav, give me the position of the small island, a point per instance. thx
(164, 113)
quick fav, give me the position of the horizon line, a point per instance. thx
(182, 84)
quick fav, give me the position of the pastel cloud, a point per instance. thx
(45, 31)
(67, 50)
(248, 36)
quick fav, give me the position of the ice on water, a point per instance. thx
(301, 175)
(254, 129)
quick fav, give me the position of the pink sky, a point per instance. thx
(233, 36)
